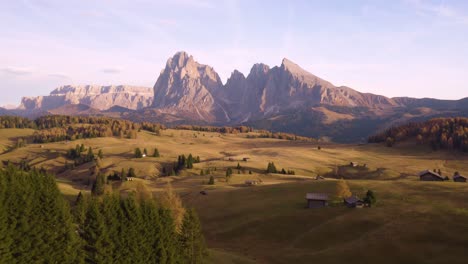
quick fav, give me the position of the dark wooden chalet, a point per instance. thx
(316, 200)
(353, 202)
(428, 175)
(459, 178)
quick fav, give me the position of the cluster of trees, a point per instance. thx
(182, 163)
(37, 225)
(80, 155)
(152, 127)
(16, 122)
(228, 130)
(140, 154)
(281, 135)
(439, 133)
(35, 220)
(123, 175)
(74, 132)
(54, 128)
(288, 172)
(343, 191)
(186, 163)
(271, 168)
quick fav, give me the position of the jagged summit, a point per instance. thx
(179, 60)
(186, 86)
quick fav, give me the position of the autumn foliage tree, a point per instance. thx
(342, 189)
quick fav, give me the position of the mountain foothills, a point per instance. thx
(284, 98)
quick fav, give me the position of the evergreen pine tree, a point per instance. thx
(156, 153)
(189, 161)
(131, 172)
(123, 175)
(131, 232)
(211, 181)
(100, 154)
(98, 185)
(138, 153)
(191, 239)
(95, 235)
(79, 211)
(5, 228)
(90, 155)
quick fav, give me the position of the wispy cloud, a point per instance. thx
(440, 10)
(58, 75)
(111, 70)
(17, 71)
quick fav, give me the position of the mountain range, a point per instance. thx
(282, 98)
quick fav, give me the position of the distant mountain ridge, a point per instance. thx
(95, 96)
(283, 98)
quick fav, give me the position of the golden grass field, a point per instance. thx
(413, 222)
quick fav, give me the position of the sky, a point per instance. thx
(416, 48)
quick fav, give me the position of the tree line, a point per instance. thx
(224, 130)
(439, 133)
(280, 135)
(54, 128)
(37, 225)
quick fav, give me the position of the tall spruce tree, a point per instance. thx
(98, 185)
(95, 235)
(192, 243)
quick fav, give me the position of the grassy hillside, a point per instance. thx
(413, 222)
(269, 224)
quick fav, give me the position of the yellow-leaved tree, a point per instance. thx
(342, 189)
(172, 201)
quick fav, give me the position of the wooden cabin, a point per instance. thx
(245, 159)
(353, 164)
(428, 175)
(459, 178)
(316, 200)
(353, 202)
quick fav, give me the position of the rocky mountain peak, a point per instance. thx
(179, 60)
(236, 76)
(259, 68)
(188, 86)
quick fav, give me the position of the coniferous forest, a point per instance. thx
(37, 225)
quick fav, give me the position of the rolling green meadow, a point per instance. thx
(412, 221)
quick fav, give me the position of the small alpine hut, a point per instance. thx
(353, 202)
(316, 200)
(428, 175)
(459, 178)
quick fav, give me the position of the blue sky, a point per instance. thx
(415, 48)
